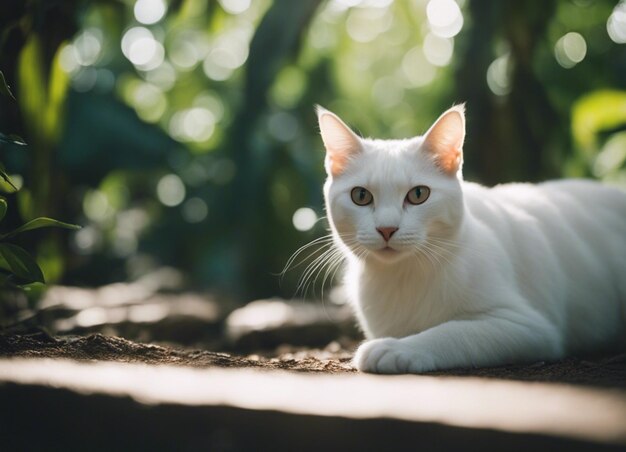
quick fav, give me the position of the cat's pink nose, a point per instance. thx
(386, 232)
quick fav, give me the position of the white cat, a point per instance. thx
(444, 273)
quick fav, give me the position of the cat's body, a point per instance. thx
(456, 274)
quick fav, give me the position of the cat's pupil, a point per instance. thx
(418, 192)
(361, 194)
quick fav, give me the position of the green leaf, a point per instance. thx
(6, 178)
(4, 87)
(33, 96)
(33, 289)
(12, 138)
(17, 261)
(58, 84)
(595, 112)
(38, 223)
(3, 208)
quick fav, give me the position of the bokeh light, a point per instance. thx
(192, 125)
(235, 6)
(149, 11)
(164, 76)
(437, 50)
(417, 69)
(228, 52)
(87, 240)
(194, 210)
(444, 17)
(283, 126)
(177, 108)
(142, 49)
(498, 76)
(87, 47)
(171, 190)
(570, 50)
(304, 219)
(616, 24)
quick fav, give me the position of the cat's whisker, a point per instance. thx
(440, 251)
(466, 248)
(322, 242)
(331, 269)
(425, 251)
(326, 265)
(315, 267)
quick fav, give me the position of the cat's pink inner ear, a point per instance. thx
(340, 142)
(445, 140)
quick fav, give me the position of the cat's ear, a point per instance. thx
(444, 140)
(340, 142)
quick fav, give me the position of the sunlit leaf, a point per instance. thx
(6, 178)
(32, 96)
(595, 112)
(57, 92)
(4, 87)
(3, 208)
(17, 261)
(39, 223)
(12, 138)
(34, 287)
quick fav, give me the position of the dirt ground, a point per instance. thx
(601, 371)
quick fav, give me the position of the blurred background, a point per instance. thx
(181, 134)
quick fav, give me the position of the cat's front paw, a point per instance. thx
(391, 356)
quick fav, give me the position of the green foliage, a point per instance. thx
(4, 87)
(6, 177)
(19, 268)
(12, 138)
(16, 261)
(195, 148)
(3, 208)
(38, 223)
(597, 112)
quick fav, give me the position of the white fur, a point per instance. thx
(477, 276)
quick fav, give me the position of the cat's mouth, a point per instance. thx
(388, 254)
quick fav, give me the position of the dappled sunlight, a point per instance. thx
(112, 308)
(259, 315)
(276, 314)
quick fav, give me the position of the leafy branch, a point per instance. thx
(17, 267)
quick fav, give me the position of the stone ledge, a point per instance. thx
(36, 394)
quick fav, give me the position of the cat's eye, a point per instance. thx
(361, 196)
(418, 195)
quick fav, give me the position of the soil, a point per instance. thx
(98, 347)
(603, 371)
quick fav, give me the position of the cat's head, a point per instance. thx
(391, 199)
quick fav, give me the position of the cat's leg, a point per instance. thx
(496, 339)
